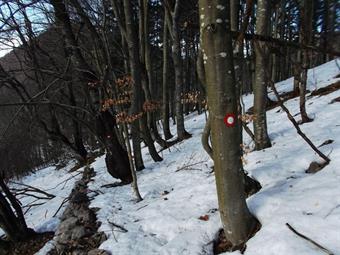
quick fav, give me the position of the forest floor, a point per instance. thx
(178, 214)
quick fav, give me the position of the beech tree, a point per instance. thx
(306, 26)
(116, 159)
(216, 46)
(262, 140)
(172, 15)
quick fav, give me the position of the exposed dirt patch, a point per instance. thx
(78, 230)
(28, 247)
(271, 104)
(251, 185)
(88, 161)
(326, 90)
(222, 244)
(292, 94)
(315, 167)
(335, 100)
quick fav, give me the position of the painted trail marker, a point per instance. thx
(229, 119)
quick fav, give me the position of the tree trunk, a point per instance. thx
(136, 104)
(12, 222)
(116, 159)
(306, 27)
(260, 89)
(77, 130)
(173, 20)
(217, 51)
(165, 92)
(147, 79)
(132, 167)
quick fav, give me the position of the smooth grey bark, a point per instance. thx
(306, 27)
(173, 18)
(216, 43)
(141, 128)
(132, 166)
(147, 79)
(165, 92)
(262, 140)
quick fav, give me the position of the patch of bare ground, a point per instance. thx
(326, 90)
(271, 104)
(78, 229)
(222, 244)
(28, 247)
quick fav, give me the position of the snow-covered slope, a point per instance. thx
(45, 217)
(180, 189)
(175, 196)
(318, 77)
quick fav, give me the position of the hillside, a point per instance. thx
(178, 214)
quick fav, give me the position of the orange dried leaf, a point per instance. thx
(204, 217)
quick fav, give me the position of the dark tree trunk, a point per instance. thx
(147, 79)
(306, 12)
(165, 92)
(136, 107)
(116, 159)
(173, 16)
(12, 221)
(260, 89)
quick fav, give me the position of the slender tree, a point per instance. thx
(306, 13)
(12, 220)
(216, 43)
(165, 91)
(260, 89)
(116, 159)
(172, 14)
(136, 72)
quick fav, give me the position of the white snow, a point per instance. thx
(310, 203)
(181, 188)
(318, 77)
(56, 182)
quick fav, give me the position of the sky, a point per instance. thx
(38, 21)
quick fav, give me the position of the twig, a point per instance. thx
(124, 230)
(296, 125)
(190, 165)
(29, 190)
(65, 181)
(310, 240)
(331, 211)
(30, 206)
(61, 205)
(248, 131)
(141, 207)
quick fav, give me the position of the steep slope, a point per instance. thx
(180, 189)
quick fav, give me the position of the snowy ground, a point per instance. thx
(169, 223)
(56, 182)
(180, 189)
